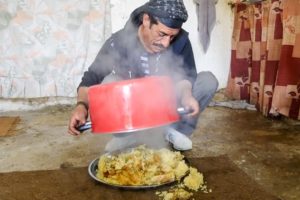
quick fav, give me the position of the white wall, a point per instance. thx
(217, 58)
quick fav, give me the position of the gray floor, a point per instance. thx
(267, 150)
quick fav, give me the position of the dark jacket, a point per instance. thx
(122, 53)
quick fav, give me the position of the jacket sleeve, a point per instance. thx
(103, 64)
(189, 67)
(182, 48)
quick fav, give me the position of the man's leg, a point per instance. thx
(204, 90)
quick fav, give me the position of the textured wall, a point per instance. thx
(47, 44)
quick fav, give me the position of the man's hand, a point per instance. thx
(184, 91)
(78, 118)
(190, 103)
(80, 112)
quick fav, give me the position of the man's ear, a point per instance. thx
(146, 20)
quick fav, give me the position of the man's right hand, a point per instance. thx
(80, 112)
(78, 118)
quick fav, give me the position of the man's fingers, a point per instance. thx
(73, 131)
(72, 126)
(194, 109)
(78, 118)
(193, 114)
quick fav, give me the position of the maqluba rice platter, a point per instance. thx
(139, 167)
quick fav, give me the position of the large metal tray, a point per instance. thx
(93, 167)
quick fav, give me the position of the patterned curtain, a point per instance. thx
(47, 44)
(265, 60)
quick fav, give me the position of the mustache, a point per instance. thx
(159, 45)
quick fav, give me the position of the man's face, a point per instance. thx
(156, 37)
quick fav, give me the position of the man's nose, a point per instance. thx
(166, 40)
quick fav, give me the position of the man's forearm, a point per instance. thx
(185, 95)
(82, 97)
(82, 94)
(183, 89)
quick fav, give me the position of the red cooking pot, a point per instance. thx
(132, 105)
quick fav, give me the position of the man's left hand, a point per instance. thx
(184, 91)
(191, 104)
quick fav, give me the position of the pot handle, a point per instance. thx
(85, 126)
(184, 111)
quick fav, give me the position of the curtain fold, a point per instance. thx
(265, 60)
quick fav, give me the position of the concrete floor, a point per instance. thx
(267, 150)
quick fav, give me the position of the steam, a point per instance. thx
(153, 138)
(122, 53)
(120, 59)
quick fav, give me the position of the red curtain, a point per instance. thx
(265, 60)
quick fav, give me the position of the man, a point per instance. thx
(151, 43)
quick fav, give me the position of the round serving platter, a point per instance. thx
(93, 167)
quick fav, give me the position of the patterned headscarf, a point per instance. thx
(171, 13)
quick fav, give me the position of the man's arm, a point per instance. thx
(80, 112)
(101, 67)
(184, 93)
(188, 74)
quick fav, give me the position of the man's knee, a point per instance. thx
(206, 81)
